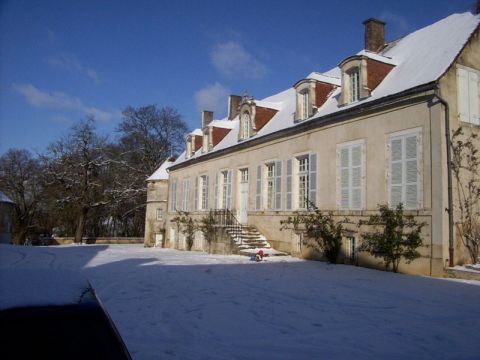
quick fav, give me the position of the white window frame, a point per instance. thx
(349, 146)
(302, 177)
(270, 185)
(159, 214)
(468, 103)
(246, 125)
(354, 84)
(305, 104)
(186, 194)
(203, 192)
(403, 135)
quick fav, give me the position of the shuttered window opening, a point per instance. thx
(351, 176)
(468, 83)
(258, 188)
(203, 192)
(405, 171)
(186, 194)
(270, 186)
(288, 192)
(173, 197)
(303, 186)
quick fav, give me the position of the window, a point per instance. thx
(270, 186)
(201, 192)
(173, 195)
(405, 170)
(301, 182)
(351, 249)
(223, 190)
(303, 186)
(304, 104)
(159, 214)
(354, 84)
(246, 125)
(468, 83)
(244, 176)
(186, 194)
(350, 184)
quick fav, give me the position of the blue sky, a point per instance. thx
(61, 61)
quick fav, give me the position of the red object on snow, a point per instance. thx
(260, 253)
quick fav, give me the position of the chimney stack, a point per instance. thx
(374, 34)
(234, 102)
(207, 118)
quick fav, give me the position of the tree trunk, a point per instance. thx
(81, 225)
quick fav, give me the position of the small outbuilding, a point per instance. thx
(6, 219)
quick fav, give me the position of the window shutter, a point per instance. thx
(345, 178)
(288, 201)
(206, 192)
(196, 193)
(411, 172)
(174, 196)
(278, 185)
(473, 92)
(258, 197)
(229, 190)
(356, 177)
(215, 194)
(312, 179)
(170, 195)
(396, 172)
(463, 97)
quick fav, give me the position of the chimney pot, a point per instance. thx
(374, 34)
(234, 102)
(207, 118)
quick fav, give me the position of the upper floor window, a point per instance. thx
(354, 84)
(303, 185)
(201, 192)
(404, 180)
(159, 214)
(468, 83)
(304, 104)
(246, 125)
(350, 162)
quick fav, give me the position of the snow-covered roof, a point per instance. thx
(161, 173)
(196, 132)
(4, 198)
(224, 124)
(419, 58)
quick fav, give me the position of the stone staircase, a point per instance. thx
(249, 241)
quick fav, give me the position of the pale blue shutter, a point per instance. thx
(288, 192)
(411, 172)
(258, 196)
(196, 193)
(462, 88)
(278, 185)
(344, 178)
(312, 179)
(206, 192)
(396, 171)
(174, 197)
(356, 177)
(473, 94)
(187, 195)
(229, 190)
(215, 195)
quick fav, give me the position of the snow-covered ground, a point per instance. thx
(171, 304)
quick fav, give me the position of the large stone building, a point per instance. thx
(370, 131)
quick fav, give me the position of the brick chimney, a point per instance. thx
(374, 34)
(207, 118)
(234, 102)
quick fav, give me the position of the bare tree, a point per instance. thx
(466, 171)
(77, 168)
(20, 180)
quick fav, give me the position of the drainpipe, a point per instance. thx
(449, 177)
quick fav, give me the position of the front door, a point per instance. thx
(242, 217)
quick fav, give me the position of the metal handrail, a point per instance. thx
(225, 218)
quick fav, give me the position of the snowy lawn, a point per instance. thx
(171, 304)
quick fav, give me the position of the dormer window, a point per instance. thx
(246, 125)
(354, 84)
(305, 104)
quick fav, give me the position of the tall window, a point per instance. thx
(468, 83)
(271, 186)
(173, 195)
(303, 186)
(354, 82)
(246, 125)
(405, 170)
(204, 192)
(305, 104)
(351, 173)
(244, 176)
(224, 184)
(186, 194)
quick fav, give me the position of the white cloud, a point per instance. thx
(213, 97)
(232, 60)
(59, 100)
(72, 64)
